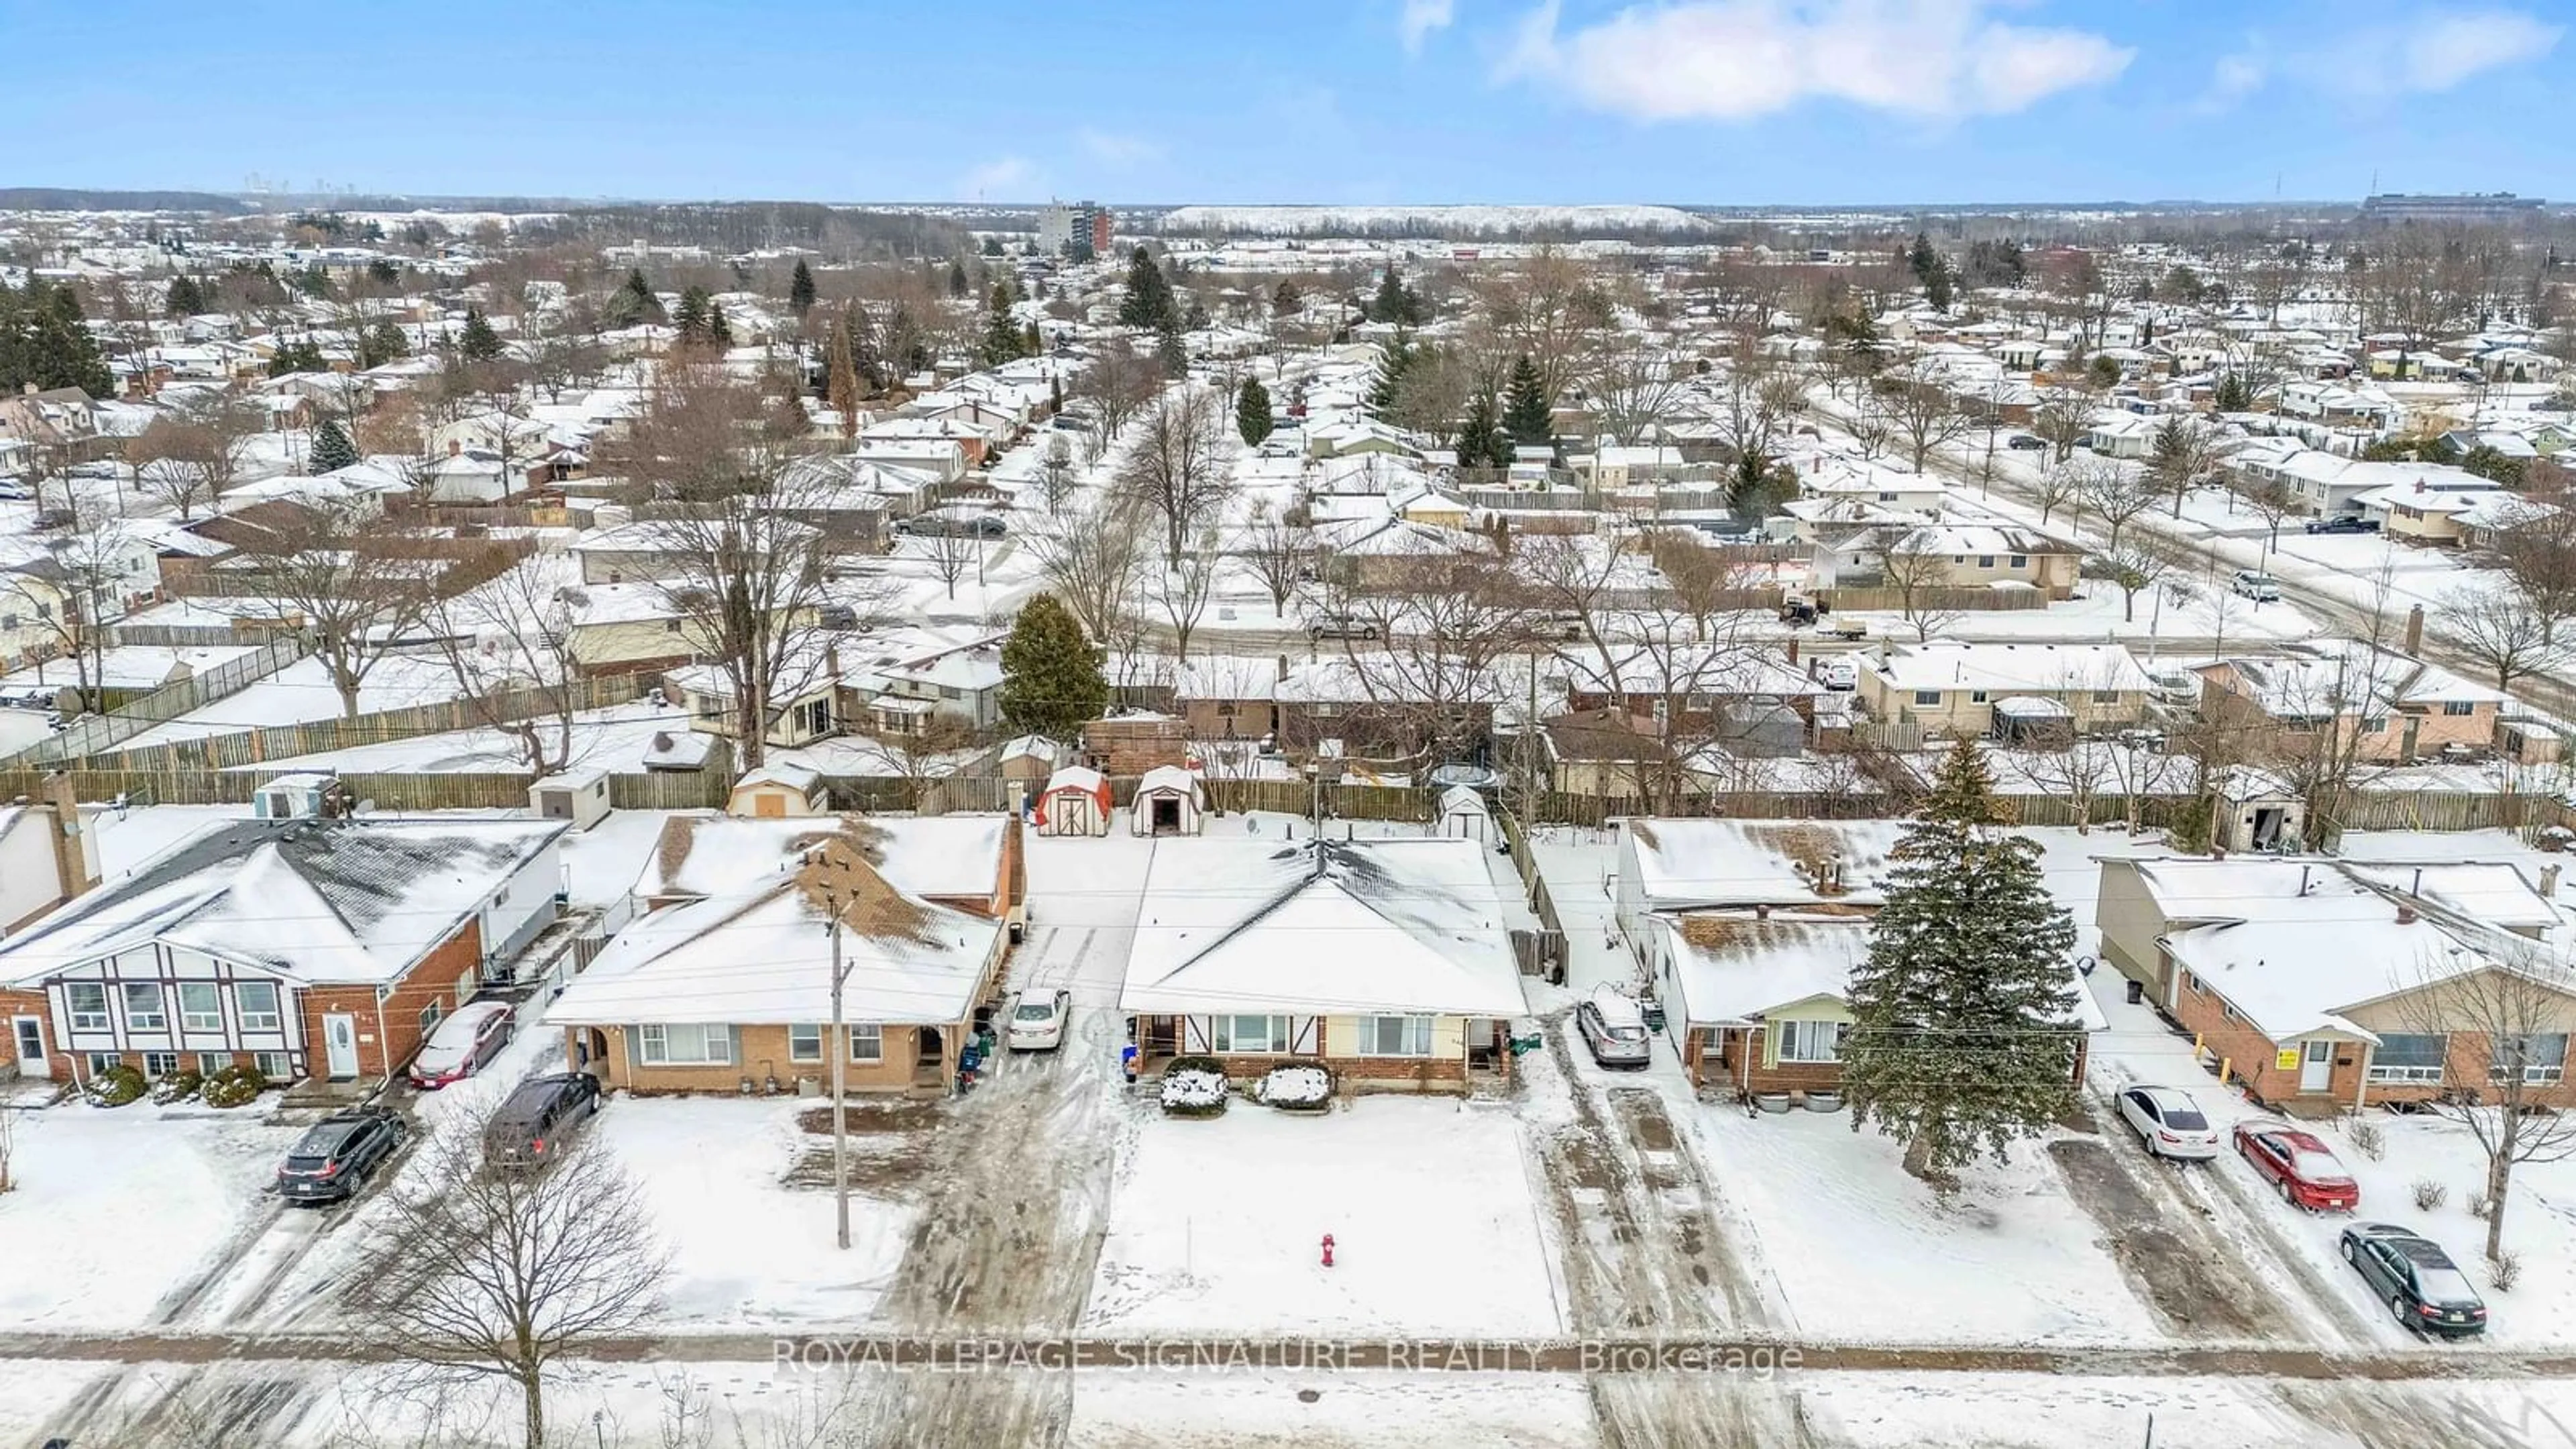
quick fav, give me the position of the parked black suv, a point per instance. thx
(530, 1128)
(338, 1154)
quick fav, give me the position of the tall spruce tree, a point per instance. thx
(187, 296)
(800, 288)
(1962, 1036)
(1395, 302)
(958, 284)
(1920, 259)
(1002, 337)
(693, 315)
(1148, 302)
(1252, 416)
(1525, 411)
(1051, 679)
(1171, 351)
(1394, 357)
(477, 342)
(633, 302)
(332, 448)
(1482, 443)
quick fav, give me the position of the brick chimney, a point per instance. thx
(2415, 631)
(75, 857)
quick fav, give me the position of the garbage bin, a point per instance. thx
(2137, 991)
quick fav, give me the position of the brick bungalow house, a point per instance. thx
(2389, 707)
(735, 988)
(1414, 980)
(307, 948)
(2327, 985)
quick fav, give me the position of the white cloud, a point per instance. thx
(1112, 149)
(1738, 59)
(995, 178)
(2231, 79)
(2441, 52)
(1421, 18)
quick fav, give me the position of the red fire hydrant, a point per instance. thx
(1328, 1250)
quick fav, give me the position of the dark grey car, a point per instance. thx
(532, 1127)
(2422, 1287)
(337, 1155)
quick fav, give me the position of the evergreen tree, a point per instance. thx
(800, 288)
(1525, 412)
(1392, 360)
(633, 302)
(1482, 443)
(43, 341)
(1936, 286)
(841, 374)
(301, 355)
(331, 448)
(958, 285)
(693, 314)
(1031, 344)
(383, 272)
(478, 342)
(1196, 317)
(187, 296)
(313, 281)
(1001, 334)
(719, 331)
(1921, 260)
(1171, 352)
(1148, 302)
(1962, 1037)
(2232, 395)
(1051, 679)
(1287, 300)
(1394, 302)
(382, 343)
(992, 246)
(1252, 412)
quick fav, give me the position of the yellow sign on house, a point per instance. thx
(2287, 1060)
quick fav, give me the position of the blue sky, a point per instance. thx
(1695, 102)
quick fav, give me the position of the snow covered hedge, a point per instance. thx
(1194, 1087)
(1296, 1087)
(232, 1086)
(115, 1087)
(176, 1087)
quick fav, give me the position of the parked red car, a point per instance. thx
(459, 1046)
(2305, 1169)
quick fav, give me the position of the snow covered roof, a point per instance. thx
(954, 857)
(1732, 968)
(1686, 863)
(1374, 927)
(2321, 678)
(1168, 777)
(315, 901)
(2017, 668)
(766, 957)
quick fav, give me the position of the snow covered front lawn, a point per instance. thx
(118, 1210)
(747, 1249)
(1862, 1251)
(1218, 1225)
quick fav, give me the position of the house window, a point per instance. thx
(1225, 709)
(275, 1066)
(87, 1001)
(430, 1016)
(2106, 696)
(201, 1006)
(948, 691)
(670, 626)
(2374, 725)
(2021, 560)
(1811, 1041)
(1395, 1036)
(160, 1064)
(101, 1063)
(2458, 708)
(143, 1010)
(1927, 696)
(804, 1043)
(1985, 560)
(867, 1043)
(209, 1063)
(2541, 1057)
(1255, 1035)
(1976, 696)
(2410, 1057)
(256, 1001)
(686, 1044)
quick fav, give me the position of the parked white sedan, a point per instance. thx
(2170, 1123)
(1037, 1021)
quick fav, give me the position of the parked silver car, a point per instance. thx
(1614, 1029)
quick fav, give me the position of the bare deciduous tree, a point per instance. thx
(2504, 1027)
(478, 1271)
(1926, 416)
(191, 455)
(509, 642)
(1177, 469)
(1279, 553)
(2061, 420)
(2271, 500)
(2116, 494)
(1089, 556)
(358, 581)
(1117, 384)
(2058, 487)
(2502, 631)
(1182, 591)
(2135, 564)
(1632, 392)
(1056, 472)
(1916, 564)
